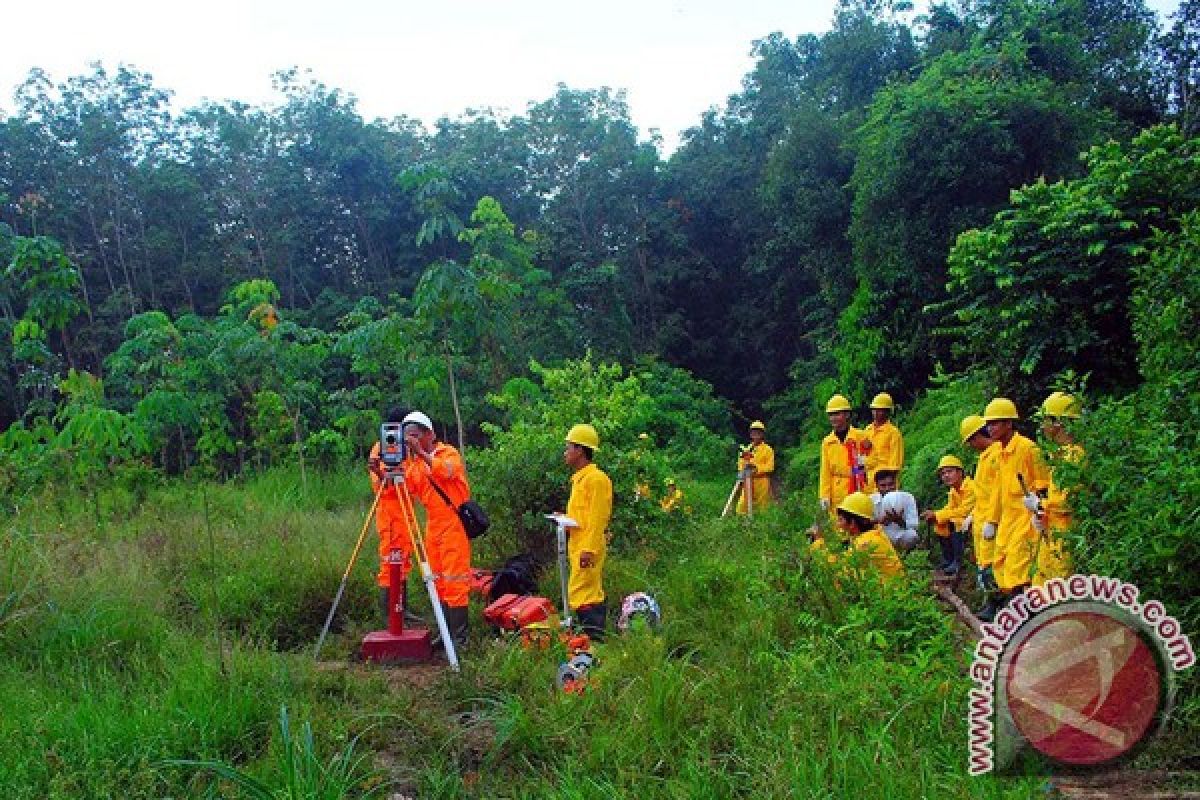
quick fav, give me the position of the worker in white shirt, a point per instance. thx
(895, 511)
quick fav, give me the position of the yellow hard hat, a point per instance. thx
(1000, 408)
(669, 482)
(970, 426)
(1061, 404)
(584, 435)
(837, 403)
(643, 435)
(859, 505)
(950, 461)
(757, 425)
(883, 400)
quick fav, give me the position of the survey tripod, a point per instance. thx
(744, 484)
(393, 479)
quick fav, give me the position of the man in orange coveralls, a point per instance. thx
(430, 466)
(391, 524)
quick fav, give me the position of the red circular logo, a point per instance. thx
(1084, 688)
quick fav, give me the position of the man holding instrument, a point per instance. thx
(437, 477)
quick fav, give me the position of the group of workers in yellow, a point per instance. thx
(436, 478)
(1012, 508)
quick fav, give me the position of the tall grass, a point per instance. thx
(770, 677)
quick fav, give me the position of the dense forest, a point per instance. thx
(801, 234)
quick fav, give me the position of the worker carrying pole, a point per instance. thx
(756, 464)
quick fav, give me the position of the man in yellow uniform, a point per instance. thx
(855, 520)
(973, 430)
(1053, 558)
(1006, 519)
(759, 458)
(843, 464)
(949, 522)
(883, 443)
(590, 506)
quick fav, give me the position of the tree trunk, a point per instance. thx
(454, 395)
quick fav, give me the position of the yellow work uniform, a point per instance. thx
(881, 554)
(763, 459)
(887, 449)
(1053, 559)
(986, 476)
(591, 506)
(836, 469)
(672, 501)
(1016, 538)
(960, 503)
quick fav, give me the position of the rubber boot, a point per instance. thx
(947, 547)
(958, 547)
(591, 620)
(458, 623)
(411, 620)
(384, 603)
(995, 602)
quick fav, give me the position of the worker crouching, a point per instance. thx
(855, 518)
(950, 522)
(590, 506)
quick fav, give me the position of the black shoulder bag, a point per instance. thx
(472, 516)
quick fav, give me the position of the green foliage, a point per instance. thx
(937, 156)
(327, 449)
(521, 475)
(1046, 286)
(1143, 450)
(303, 775)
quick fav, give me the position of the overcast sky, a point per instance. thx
(675, 58)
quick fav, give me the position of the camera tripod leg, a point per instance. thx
(346, 575)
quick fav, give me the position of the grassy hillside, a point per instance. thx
(764, 681)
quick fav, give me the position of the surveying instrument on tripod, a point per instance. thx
(397, 643)
(743, 486)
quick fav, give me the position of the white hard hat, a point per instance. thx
(419, 418)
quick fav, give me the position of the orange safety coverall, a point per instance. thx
(887, 450)
(446, 542)
(1016, 537)
(392, 525)
(836, 475)
(1053, 559)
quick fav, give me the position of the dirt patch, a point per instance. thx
(1124, 784)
